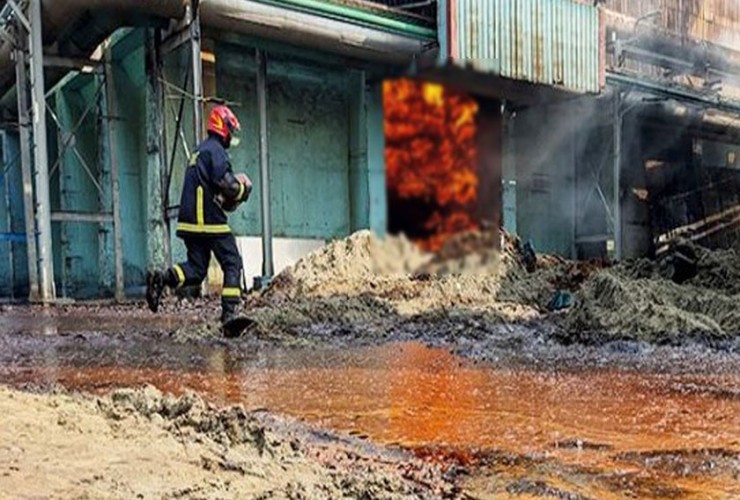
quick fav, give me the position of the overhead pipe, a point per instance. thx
(268, 20)
(342, 30)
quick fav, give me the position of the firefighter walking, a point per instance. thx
(210, 190)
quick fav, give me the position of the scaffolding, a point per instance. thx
(21, 26)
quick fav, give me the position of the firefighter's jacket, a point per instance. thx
(208, 174)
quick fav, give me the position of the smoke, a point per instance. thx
(558, 148)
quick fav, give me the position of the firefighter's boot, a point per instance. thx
(154, 289)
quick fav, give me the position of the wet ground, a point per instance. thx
(628, 420)
(515, 418)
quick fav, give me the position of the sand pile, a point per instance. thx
(364, 279)
(140, 443)
(350, 264)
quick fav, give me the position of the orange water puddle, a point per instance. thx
(568, 429)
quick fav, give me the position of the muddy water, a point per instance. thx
(597, 434)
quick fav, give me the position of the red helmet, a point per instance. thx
(224, 123)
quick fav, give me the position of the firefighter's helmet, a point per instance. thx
(224, 123)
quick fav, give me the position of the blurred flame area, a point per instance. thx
(430, 158)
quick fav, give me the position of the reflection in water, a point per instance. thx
(415, 396)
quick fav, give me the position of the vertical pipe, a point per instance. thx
(618, 174)
(41, 160)
(26, 169)
(194, 16)
(267, 263)
(112, 107)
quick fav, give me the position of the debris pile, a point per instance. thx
(364, 280)
(641, 300)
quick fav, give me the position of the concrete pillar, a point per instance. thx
(156, 233)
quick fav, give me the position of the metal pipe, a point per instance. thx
(255, 18)
(24, 121)
(684, 94)
(194, 14)
(339, 11)
(41, 159)
(618, 174)
(267, 263)
(326, 27)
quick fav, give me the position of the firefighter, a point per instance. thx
(210, 190)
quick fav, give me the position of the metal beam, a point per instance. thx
(81, 64)
(41, 159)
(676, 92)
(112, 109)
(20, 15)
(12, 238)
(86, 217)
(24, 122)
(267, 262)
(618, 119)
(174, 41)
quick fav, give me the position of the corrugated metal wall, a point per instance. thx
(717, 21)
(551, 42)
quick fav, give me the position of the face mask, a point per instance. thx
(235, 142)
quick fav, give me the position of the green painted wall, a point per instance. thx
(326, 155)
(130, 150)
(308, 122)
(76, 242)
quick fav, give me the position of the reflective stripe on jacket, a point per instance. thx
(199, 214)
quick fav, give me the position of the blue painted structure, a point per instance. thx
(13, 260)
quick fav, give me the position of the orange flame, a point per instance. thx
(431, 154)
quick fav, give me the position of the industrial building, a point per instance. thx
(604, 128)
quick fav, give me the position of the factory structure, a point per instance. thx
(604, 129)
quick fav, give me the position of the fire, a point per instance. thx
(431, 157)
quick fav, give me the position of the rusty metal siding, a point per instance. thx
(716, 21)
(551, 42)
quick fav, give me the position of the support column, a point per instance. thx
(617, 174)
(41, 160)
(156, 234)
(509, 170)
(267, 260)
(367, 194)
(24, 122)
(377, 193)
(359, 193)
(110, 125)
(195, 44)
